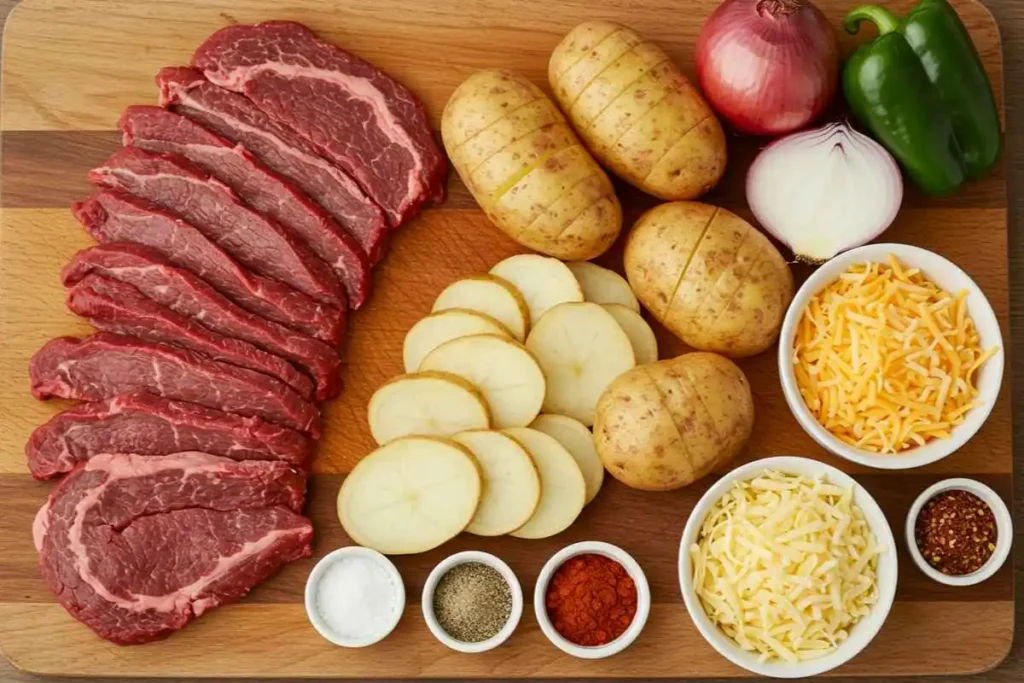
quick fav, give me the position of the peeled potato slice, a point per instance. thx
(438, 328)
(562, 488)
(410, 495)
(578, 440)
(511, 483)
(491, 296)
(502, 369)
(641, 336)
(603, 286)
(544, 282)
(426, 404)
(581, 350)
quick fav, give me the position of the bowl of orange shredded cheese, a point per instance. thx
(891, 356)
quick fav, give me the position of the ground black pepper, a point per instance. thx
(472, 602)
(956, 532)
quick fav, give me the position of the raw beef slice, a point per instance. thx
(187, 295)
(145, 424)
(135, 546)
(116, 216)
(355, 115)
(234, 117)
(158, 130)
(105, 364)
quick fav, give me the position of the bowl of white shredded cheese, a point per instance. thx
(788, 567)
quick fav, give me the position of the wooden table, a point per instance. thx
(1010, 15)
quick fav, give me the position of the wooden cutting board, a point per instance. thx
(70, 66)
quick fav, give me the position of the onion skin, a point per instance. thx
(768, 67)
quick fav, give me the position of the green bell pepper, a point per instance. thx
(922, 91)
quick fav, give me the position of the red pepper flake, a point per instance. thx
(591, 600)
(956, 532)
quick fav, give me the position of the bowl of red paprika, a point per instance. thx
(592, 600)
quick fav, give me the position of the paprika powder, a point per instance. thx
(591, 600)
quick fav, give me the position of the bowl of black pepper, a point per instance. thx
(472, 601)
(959, 532)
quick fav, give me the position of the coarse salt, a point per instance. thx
(357, 598)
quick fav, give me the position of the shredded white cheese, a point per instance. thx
(786, 566)
(886, 360)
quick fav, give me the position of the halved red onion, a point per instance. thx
(824, 191)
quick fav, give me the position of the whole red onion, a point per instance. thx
(769, 67)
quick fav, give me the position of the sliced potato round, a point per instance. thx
(426, 404)
(562, 488)
(511, 482)
(603, 286)
(641, 336)
(502, 369)
(581, 350)
(411, 495)
(543, 281)
(578, 440)
(438, 328)
(491, 296)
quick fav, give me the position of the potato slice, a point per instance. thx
(503, 370)
(581, 350)
(438, 328)
(603, 286)
(562, 488)
(411, 495)
(426, 404)
(578, 440)
(544, 282)
(491, 296)
(641, 336)
(511, 482)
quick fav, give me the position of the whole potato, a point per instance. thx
(527, 169)
(710, 277)
(636, 111)
(665, 425)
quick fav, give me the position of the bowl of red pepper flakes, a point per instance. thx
(959, 532)
(592, 600)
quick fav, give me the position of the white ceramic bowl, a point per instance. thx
(643, 599)
(1004, 531)
(861, 633)
(947, 276)
(313, 581)
(427, 601)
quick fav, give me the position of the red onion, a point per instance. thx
(769, 67)
(825, 191)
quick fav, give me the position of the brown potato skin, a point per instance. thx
(664, 425)
(638, 114)
(527, 169)
(711, 278)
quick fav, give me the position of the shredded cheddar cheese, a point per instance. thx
(786, 566)
(886, 360)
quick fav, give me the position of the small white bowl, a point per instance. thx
(427, 601)
(643, 599)
(1004, 531)
(313, 581)
(862, 632)
(950, 278)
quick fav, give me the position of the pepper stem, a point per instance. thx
(885, 20)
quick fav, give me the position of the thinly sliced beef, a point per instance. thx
(116, 216)
(104, 365)
(114, 306)
(183, 293)
(145, 424)
(355, 115)
(162, 131)
(234, 117)
(136, 546)
(254, 240)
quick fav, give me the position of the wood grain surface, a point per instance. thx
(69, 67)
